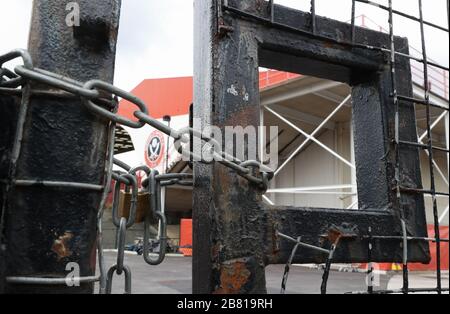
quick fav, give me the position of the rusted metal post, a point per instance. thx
(224, 261)
(46, 228)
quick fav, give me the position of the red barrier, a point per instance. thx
(186, 237)
(444, 253)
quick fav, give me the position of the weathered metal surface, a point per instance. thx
(9, 110)
(235, 235)
(45, 227)
(315, 225)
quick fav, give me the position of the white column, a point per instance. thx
(353, 170)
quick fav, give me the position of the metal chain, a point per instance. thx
(101, 98)
(122, 224)
(152, 184)
(103, 280)
(93, 95)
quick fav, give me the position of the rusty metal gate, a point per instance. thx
(48, 168)
(244, 234)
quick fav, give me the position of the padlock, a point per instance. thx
(142, 206)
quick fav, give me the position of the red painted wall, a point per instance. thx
(173, 96)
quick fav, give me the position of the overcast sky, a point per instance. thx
(155, 38)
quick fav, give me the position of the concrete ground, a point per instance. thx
(174, 276)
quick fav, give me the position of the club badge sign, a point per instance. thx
(154, 153)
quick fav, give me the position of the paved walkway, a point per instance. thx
(174, 277)
(418, 280)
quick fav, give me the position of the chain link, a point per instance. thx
(122, 224)
(114, 270)
(151, 184)
(213, 150)
(130, 181)
(103, 281)
(154, 188)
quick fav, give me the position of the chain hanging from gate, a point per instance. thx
(93, 95)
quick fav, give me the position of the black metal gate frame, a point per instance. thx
(235, 235)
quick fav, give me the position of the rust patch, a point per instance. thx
(274, 227)
(233, 277)
(334, 235)
(332, 45)
(215, 250)
(60, 246)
